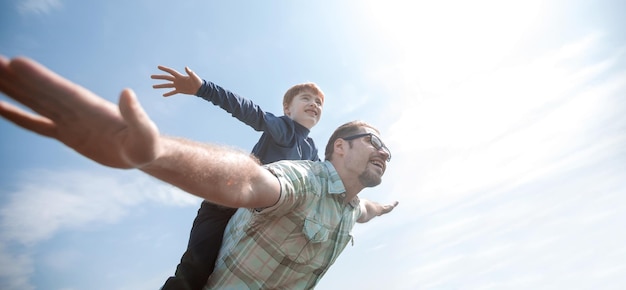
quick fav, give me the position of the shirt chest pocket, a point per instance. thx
(308, 244)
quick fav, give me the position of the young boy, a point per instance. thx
(283, 138)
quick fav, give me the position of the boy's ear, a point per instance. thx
(286, 110)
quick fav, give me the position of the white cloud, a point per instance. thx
(16, 269)
(511, 179)
(38, 6)
(72, 199)
(502, 126)
(46, 202)
(443, 42)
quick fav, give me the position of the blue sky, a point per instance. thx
(506, 120)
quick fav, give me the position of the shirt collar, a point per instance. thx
(299, 128)
(335, 185)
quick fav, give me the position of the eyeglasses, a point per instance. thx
(376, 142)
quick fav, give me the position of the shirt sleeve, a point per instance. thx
(280, 128)
(296, 185)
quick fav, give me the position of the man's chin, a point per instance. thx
(370, 180)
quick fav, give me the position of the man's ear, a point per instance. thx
(340, 146)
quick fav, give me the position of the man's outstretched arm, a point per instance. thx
(218, 174)
(124, 136)
(371, 209)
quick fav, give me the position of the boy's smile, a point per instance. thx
(306, 109)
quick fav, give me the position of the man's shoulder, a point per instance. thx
(298, 168)
(302, 164)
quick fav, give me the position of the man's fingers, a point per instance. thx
(388, 208)
(37, 124)
(48, 93)
(30, 84)
(10, 82)
(131, 110)
(140, 145)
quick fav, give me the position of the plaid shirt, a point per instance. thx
(292, 244)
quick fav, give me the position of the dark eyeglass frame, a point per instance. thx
(374, 140)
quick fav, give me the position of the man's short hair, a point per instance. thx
(345, 130)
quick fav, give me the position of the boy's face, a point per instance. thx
(305, 108)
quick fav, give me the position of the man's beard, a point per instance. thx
(369, 179)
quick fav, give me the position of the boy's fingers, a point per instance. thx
(170, 93)
(190, 72)
(163, 86)
(169, 70)
(162, 77)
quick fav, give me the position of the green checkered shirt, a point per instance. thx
(292, 244)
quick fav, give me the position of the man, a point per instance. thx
(284, 137)
(295, 216)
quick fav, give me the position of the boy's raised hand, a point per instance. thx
(182, 84)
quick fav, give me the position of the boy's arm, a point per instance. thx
(370, 210)
(239, 107)
(124, 136)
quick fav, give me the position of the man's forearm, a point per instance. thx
(367, 211)
(218, 174)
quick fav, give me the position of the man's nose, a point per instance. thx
(386, 153)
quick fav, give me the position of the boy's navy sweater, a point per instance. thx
(282, 138)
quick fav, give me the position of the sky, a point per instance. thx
(506, 121)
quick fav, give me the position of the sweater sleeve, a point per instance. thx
(249, 113)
